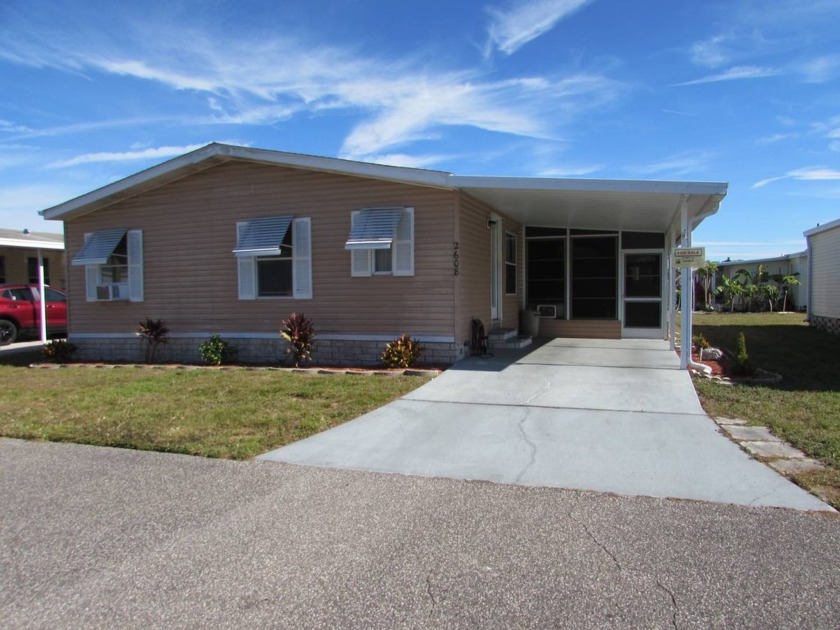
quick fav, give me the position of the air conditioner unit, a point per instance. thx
(547, 310)
(112, 291)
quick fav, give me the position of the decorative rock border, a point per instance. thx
(189, 367)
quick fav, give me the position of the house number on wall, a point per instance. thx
(455, 257)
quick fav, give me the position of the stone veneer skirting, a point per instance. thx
(333, 352)
(828, 324)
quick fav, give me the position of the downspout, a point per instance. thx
(687, 293)
(810, 284)
(42, 294)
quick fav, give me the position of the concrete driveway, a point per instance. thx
(608, 416)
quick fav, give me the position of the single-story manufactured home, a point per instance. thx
(20, 251)
(824, 271)
(777, 267)
(231, 240)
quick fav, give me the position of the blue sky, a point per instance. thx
(745, 92)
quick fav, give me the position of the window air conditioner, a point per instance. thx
(112, 291)
(547, 310)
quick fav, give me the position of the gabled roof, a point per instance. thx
(584, 203)
(31, 240)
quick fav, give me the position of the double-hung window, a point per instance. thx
(113, 262)
(381, 242)
(274, 258)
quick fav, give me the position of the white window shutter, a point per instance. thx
(91, 277)
(247, 270)
(134, 242)
(360, 259)
(302, 258)
(402, 249)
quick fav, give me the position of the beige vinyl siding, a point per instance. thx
(16, 262)
(825, 273)
(474, 277)
(190, 272)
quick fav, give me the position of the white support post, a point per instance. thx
(686, 289)
(672, 291)
(43, 297)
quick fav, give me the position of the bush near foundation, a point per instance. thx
(403, 352)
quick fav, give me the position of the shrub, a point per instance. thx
(403, 352)
(59, 350)
(154, 332)
(299, 332)
(700, 343)
(742, 366)
(217, 351)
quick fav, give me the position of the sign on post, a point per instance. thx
(692, 257)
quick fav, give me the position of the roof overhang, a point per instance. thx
(576, 203)
(645, 206)
(822, 228)
(32, 242)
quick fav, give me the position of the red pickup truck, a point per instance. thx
(20, 311)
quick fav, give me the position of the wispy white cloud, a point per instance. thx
(821, 69)
(124, 156)
(813, 173)
(570, 171)
(736, 74)
(776, 138)
(511, 29)
(251, 81)
(19, 205)
(685, 163)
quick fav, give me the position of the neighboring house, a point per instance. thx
(785, 265)
(824, 301)
(231, 240)
(19, 251)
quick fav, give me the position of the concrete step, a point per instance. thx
(515, 342)
(501, 335)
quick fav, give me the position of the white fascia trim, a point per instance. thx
(754, 261)
(437, 179)
(26, 244)
(254, 335)
(822, 228)
(590, 185)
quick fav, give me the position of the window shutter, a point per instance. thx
(91, 277)
(360, 259)
(247, 269)
(134, 242)
(402, 248)
(302, 258)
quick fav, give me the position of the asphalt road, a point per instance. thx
(104, 538)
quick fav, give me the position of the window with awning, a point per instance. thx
(381, 242)
(262, 237)
(99, 246)
(274, 258)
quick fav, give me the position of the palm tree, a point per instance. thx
(707, 272)
(786, 283)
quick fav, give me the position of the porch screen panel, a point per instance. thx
(594, 277)
(546, 273)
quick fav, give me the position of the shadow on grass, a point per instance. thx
(805, 357)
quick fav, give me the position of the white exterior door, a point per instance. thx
(643, 290)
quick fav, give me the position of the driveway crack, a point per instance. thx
(622, 568)
(430, 591)
(525, 438)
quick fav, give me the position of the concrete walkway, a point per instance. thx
(608, 416)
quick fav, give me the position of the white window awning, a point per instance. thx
(99, 247)
(374, 228)
(262, 237)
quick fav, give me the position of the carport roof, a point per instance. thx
(577, 203)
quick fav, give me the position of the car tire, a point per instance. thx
(8, 332)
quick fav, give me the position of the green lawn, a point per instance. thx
(235, 413)
(804, 408)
